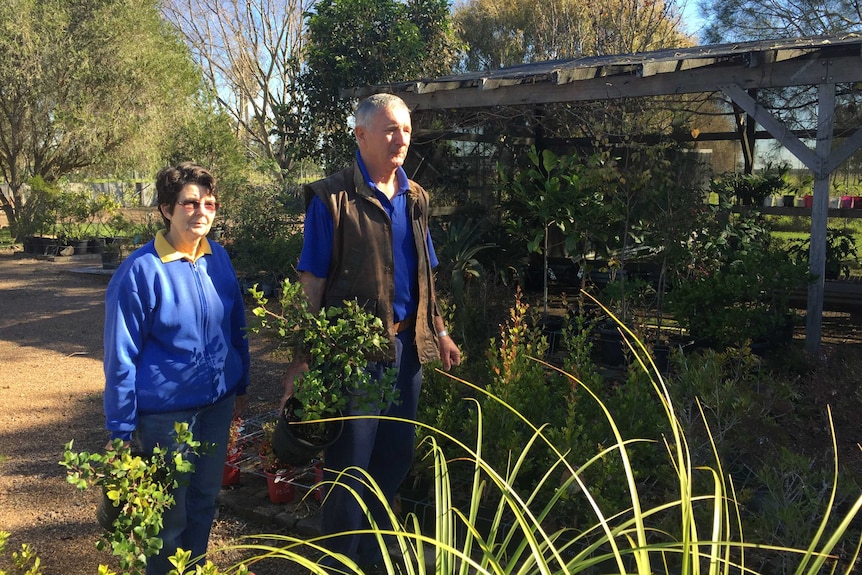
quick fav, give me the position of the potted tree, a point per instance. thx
(136, 492)
(278, 474)
(337, 342)
(231, 473)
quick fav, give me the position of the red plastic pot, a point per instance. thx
(280, 489)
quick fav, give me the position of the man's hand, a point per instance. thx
(449, 353)
(239, 404)
(294, 372)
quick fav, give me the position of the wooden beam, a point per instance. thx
(778, 129)
(809, 69)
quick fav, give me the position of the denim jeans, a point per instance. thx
(383, 448)
(188, 522)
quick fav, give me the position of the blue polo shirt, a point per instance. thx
(318, 238)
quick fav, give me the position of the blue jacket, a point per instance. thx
(174, 335)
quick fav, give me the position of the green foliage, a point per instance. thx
(24, 562)
(80, 213)
(140, 485)
(85, 84)
(747, 299)
(793, 490)
(358, 43)
(476, 265)
(38, 215)
(337, 342)
(752, 189)
(261, 233)
(521, 382)
(566, 193)
(207, 136)
(841, 252)
(695, 522)
(735, 285)
(723, 391)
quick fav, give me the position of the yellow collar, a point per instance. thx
(167, 253)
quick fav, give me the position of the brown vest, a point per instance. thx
(362, 267)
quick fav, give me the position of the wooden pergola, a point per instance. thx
(737, 70)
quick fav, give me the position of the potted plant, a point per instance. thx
(231, 473)
(136, 492)
(111, 255)
(841, 252)
(338, 342)
(278, 474)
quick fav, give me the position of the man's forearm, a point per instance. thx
(313, 287)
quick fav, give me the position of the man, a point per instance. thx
(366, 239)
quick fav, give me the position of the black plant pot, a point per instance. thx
(106, 513)
(612, 346)
(288, 442)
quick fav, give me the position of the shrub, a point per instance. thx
(262, 235)
(140, 486)
(520, 533)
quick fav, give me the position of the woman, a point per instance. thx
(175, 350)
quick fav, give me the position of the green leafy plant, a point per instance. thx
(264, 244)
(735, 284)
(752, 189)
(140, 486)
(39, 213)
(841, 252)
(337, 342)
(24, 561)
(80, 214)
(560, 196)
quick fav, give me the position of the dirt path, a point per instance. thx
(50, 392)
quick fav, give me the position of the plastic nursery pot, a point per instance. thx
(280, 489)
(106, 513)
(230, 474)
(291, 444)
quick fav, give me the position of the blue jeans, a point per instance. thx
(188, 522)
(383, 448)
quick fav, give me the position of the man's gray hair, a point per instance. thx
(368, 107)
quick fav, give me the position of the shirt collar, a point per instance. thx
(400, 175)
(167, 253)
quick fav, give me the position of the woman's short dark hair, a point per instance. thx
(171, 180)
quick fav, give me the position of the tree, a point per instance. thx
(84, 84)
(207, 136)
(357, 43)
(251, 53)
(735, 20)
(510, 32)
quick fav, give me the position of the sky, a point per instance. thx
(691, 21)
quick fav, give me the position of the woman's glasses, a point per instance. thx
(192, 206)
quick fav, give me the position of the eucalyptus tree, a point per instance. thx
(84, 84)
(251, 53)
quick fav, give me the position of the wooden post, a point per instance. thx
(819, 218)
